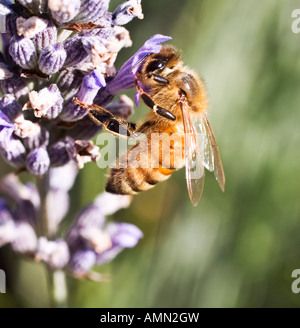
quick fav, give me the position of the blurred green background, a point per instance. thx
(236, 249)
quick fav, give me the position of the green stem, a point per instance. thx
(56, 279)
(43, 188)
(58, 288)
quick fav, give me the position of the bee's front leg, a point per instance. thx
(160, 79)
(151, 104)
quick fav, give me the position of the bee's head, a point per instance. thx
(161, 63)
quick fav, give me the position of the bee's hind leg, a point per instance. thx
(113, 124)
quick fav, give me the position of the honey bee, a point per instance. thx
(177, 98)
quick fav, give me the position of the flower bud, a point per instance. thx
(76, 52)
(69, 82)
(37, 139)
(23, 52)
(58, 151)
(37, 161)
(64, 10)
(15, 85)
(126, 11)
(52, 59)
(91, 10)
(46, 37)
(14, 152)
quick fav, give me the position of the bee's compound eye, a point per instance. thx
(156, 65)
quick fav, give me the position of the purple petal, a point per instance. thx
(82, 261)
(108, 255)
(125, 78)
(10, 107)
(111, 203)
(90, 87)
(124, 235)
(25, 240)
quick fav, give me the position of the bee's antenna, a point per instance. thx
(139, 62)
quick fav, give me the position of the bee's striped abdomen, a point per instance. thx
(145, 167)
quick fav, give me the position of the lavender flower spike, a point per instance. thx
(89, 88)
(125, 78)
(23, 52)
(52, 59)
(37, 161)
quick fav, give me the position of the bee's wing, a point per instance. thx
(210, 151)
(194, 168)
